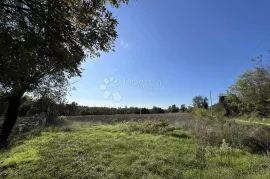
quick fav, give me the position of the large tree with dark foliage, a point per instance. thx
(200, 102)
(43, 43)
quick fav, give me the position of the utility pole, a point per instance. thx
(211, 105)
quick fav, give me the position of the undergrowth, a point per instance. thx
(126, 150)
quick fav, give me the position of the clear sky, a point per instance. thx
(170, 51)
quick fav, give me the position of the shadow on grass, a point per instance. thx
(183, 135)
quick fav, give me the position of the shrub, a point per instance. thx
(211, 132)
(201, 113)
(59, 121)
(150, 126)
(219, 110)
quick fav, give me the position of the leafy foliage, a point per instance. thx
(43, 43)
(156, 110)
(50, 108)
(201, 112)
(173, 108)
(200, 102)
(183, 108)
(251, 92)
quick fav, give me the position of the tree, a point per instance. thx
(157, 110)
(2, 103)
(25, 106)
(46, 106)
(183, 108)
(145, 111)
(43, 43)
(173, 109)
(205, 103)
(251, 91)
(72, 109)
(197, 101)
(200, 102)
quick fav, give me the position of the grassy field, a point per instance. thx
(244, 120)
(148, 149)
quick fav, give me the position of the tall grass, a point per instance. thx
(142, 149)
(255, 138)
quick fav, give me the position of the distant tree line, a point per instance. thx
(50, 108)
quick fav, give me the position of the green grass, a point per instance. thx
(251, 120)
(125, 150)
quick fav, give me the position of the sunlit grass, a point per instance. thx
(252, 120)
(125, 150)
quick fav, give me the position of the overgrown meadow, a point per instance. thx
(132, 146)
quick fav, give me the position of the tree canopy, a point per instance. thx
(173, 108)
(200, 102)
(251, 92)
(43, 43)
(183, 108)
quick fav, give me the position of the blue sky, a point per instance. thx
(170, 51)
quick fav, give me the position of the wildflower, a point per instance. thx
(224, 146)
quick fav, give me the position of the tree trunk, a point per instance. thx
(10, 118)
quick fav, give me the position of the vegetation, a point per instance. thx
(248, 98)
(200, 102)
(251, 92)
(201, 113)
(173, 108)
(183, 108)
(49, 108)
(125, 150)
(43, 44)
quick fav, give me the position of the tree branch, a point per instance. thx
(13, 6)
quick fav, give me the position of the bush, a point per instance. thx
(26, 124)
(158, 126)
(59, 121)
(201, 113)
(251, 92)
(219, 110)
(212, 132)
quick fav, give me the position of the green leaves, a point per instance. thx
(200, 102)
(251, 92)
(39, 39)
